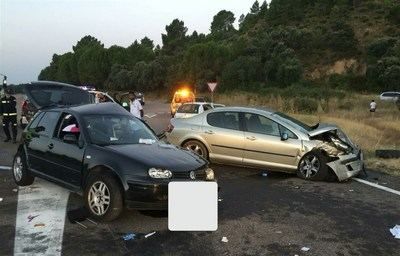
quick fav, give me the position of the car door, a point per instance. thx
(264, 146)
(35, 148)
(225, 138)
(67, 157)
(40, 144)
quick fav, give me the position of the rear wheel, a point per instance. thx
(103, 197)
(313, 167)
(197, 147)
(21, 174)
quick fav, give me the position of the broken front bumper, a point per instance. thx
(347, 166)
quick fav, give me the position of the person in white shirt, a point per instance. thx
(136, 108)
(372, 106)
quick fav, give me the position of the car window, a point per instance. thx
(185, 108)
(67, 125)
(227, 120)
(117, 130)
(36, 120)
(260, 124)
(290, 134)
(48, 123)
(207, 107)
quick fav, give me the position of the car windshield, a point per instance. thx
(117, 130)
(293, 122)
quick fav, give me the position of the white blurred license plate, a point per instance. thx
(192, 206)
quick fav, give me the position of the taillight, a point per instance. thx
(170, 128)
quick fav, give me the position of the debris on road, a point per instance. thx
(224, 239)
(351, 190)
(15, 190)
(80, 224)
(220, 199)
(305, 249)
(278, 232)
(31, 217)
(1, 199)
(149, 234)
(129, 236)
(264, 174)
(296, 187)
(78, 215)
(395, 231)
(39, 225)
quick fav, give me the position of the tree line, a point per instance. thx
(276, 45)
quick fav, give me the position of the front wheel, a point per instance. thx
(197, 147)
(21, 174)
(103, 197)
(313, 167)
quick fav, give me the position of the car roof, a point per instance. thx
(261, 110)
(106, 108)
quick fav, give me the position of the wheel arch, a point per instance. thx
(101, 168)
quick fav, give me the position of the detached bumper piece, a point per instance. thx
(347, 166)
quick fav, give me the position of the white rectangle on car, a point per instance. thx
(192, 206)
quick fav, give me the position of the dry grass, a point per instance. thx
(380, 130)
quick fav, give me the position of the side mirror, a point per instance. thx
(284, 136)
(70, 139)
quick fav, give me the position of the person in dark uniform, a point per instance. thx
(8, 110)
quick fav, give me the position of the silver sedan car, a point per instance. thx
(265, 139)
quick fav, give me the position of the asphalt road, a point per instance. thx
(274, 215)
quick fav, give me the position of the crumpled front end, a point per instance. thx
(347, 166)
(346, 159)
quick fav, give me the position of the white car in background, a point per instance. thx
(191, 109)
(390, 96)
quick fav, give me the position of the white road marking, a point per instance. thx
(5, 168)
(49, 201)
(150, 115)
(377, 186)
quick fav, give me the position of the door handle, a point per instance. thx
(50, 146)
(251, 138)
(209, 132)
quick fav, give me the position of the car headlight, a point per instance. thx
(210, 174)
(156, 173)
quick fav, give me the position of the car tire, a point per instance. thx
(196, 147)
(103, 188)
(313, 166)
(21, 174)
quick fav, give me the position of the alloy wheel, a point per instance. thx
(310, 166)
(195, 148)
(99, 198)
(17, 169)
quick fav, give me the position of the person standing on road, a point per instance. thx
(8, 110)
(136, 108)
(372, 106)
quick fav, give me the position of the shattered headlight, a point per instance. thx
(210, 174)
(156, 173)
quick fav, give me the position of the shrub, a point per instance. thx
(306, 105)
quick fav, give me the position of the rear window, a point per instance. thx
(391, 94)
(36, 120)
(227, 120)
(48, 123)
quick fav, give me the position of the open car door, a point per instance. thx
(53, 94)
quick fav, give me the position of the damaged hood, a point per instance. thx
(322, 128)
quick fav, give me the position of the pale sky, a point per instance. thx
(31, 31)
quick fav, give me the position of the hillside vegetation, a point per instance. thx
(294, 45)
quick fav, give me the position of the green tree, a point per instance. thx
(175, 37)
(93, 66)
(222, 22)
